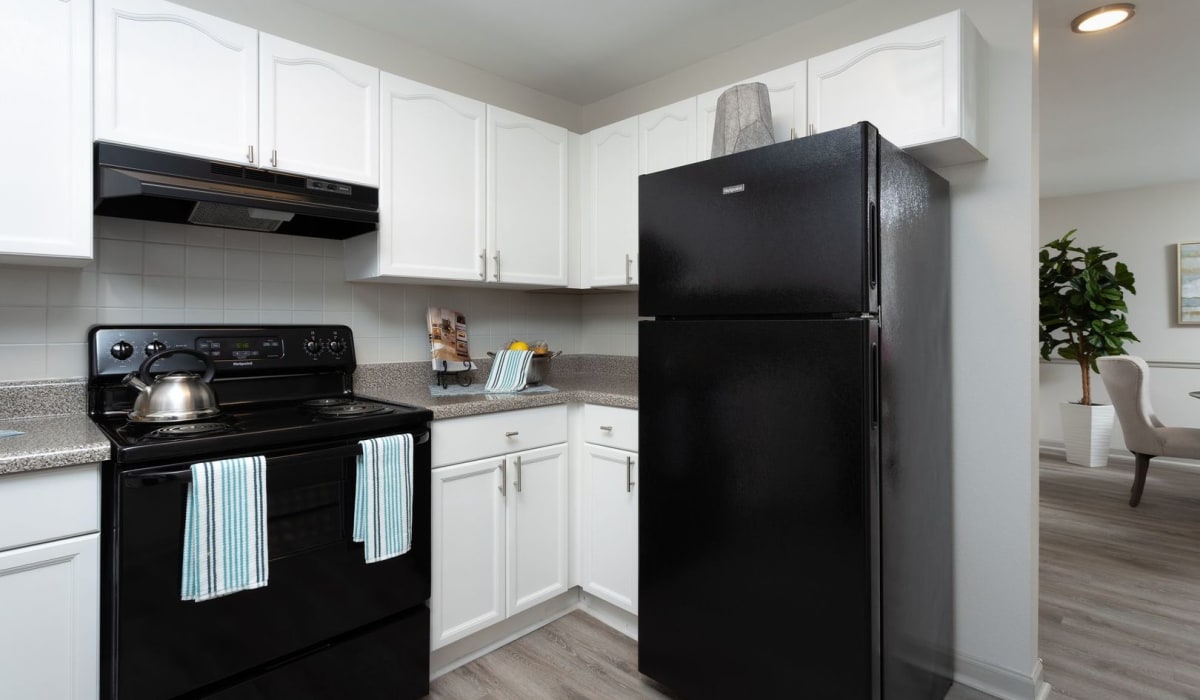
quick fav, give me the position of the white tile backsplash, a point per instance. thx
(149, 272)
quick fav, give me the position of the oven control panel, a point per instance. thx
(234, 350)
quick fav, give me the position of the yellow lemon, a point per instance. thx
(518, 345)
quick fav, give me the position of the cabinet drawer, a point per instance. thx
(475, 437)
(48, 505)
(611, 427)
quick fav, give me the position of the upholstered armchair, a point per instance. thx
(1127, 380)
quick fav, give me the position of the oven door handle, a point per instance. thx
(185, 475)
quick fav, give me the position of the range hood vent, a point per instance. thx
(137, 183)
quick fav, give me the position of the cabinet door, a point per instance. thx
(611, 204)
(49, 620)
(320, 112)
(45, 65)
(789, 98)
(667, 137)
(431, 195)
(610, 525)
(468, 549)
(171, 78)
(526, 200)
(537, 526)
(915, 84)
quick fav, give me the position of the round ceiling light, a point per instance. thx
(1102, 18)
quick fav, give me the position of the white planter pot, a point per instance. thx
(1087, 433)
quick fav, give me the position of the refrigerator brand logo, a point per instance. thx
(243, 364)
(733, 189)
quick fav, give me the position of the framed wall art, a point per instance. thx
(1189, 283)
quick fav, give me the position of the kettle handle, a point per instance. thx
(209, 368)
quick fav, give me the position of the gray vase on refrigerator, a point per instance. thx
(795, 506)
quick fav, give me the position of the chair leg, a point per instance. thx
(1139, 478)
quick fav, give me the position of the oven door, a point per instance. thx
(158, 646)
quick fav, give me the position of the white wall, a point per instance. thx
(1143, 226)
(994, 225)
(307, 25)
(168, 273)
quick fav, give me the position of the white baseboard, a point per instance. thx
(976, 679)
(1054, 448)
(621, 620)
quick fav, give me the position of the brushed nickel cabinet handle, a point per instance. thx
(517, 483)
(628, 274)
(629, 475)
(483, 264)
(250, 153)
(513, 433)
(606, 428)
(496, 272)
(274, 158)
(503, 477)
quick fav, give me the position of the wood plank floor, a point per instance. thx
(574, 657)
(1120, 587)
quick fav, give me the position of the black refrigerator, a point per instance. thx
(795, 535)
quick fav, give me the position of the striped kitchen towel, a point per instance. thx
(225, 528)
(509, 368)
(383, 497)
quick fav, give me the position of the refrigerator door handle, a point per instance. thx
(875, 398)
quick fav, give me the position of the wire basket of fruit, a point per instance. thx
(539, 367)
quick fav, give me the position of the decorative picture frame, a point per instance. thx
(1188, 255)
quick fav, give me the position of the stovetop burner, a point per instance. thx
(331, 401)
(186, 430)
(352, 409)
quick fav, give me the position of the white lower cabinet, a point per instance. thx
(500, 528)
(610, 525)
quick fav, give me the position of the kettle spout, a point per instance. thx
(134, 381)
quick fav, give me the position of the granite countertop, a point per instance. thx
(51, 441)
(70, 437)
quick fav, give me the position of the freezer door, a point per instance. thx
(757, 505)
(788, 229)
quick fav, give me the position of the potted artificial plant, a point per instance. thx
(1082, 315)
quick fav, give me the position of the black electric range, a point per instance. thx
(327, 624)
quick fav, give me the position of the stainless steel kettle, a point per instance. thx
(173, 397)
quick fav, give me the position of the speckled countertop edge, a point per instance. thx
(60, 433)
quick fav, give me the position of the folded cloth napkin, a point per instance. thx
(225, 528)
(383, 497)
(509, 369)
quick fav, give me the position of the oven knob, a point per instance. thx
(155, 347)
(337, 347)
(313, 348)
(121, 350)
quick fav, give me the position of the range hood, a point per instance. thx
(137, 183)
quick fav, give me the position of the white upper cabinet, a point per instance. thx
(319, 112)
(45, 132)
(610, 205)
(918, 85)
(667, 137)
(171, 78)
(526, 200)
(432, 176)
(789, 98)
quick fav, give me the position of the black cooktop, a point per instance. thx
(260, 427)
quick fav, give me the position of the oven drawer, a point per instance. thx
(611, 427)
(48, 505)
(476, 437)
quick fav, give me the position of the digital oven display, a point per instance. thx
(241, 348)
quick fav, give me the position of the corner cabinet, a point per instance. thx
(787, 90)
(918, 85)
(171, 78)
(527, 200)
(610, 205)
(46, 133)
(432, 184)
(50, 584)
(500, 523)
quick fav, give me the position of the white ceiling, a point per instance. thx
(1117, 109)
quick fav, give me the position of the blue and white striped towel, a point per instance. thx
(509, 369)
(225, 528)
(383, 497)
